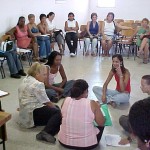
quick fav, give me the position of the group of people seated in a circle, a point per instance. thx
(74, 121)
(40, 38)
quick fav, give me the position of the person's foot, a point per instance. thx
(22, 73)
(16, 76)
(140, 54)
(44, 136)
(54, 99)
(93, 54)
(87, 53)
(72, 54)
(124, 141)
(43, 60)
(145, 60)
(113, 104)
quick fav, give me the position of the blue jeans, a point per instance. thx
(13, 61)
(45, 48)
(67, 88)
(111, 95)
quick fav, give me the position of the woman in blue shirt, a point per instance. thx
(93, 30)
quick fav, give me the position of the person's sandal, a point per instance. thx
(87, 53)
(145, 60)
(113, 104)
(93, 54)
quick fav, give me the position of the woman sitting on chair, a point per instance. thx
(55, 34)
(56, 90)
(71, 28)
(123, 89)
(14, 64)
(43, 42)
(93, 30)
(143, 42)
(109, 28)
(22, 34)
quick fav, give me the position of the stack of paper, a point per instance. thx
(113, 140)
(2, 93)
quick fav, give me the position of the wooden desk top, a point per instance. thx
(4, 117)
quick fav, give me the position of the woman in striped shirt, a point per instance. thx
(78, 113)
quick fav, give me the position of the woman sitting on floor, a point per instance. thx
(56, 90)
(123, 89)
(77, 130)
(143, 42)
(93, 30)
(55, 34)
(22, 35)
(36, 109)
(43, 42)
(139, 118)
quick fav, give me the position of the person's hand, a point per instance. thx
(141, 36)
(91, 36)
(124, 141)
(104, 98)
(60, 90)
(74, 28)
(119, 72)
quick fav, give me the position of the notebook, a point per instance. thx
(106, 114)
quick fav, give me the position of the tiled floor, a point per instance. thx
(94, 71)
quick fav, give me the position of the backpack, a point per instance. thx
(6, 46)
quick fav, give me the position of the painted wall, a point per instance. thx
(126, 9)
(11, 10)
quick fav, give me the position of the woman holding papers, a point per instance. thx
(122, 76)
(77, 130)
(43, 41)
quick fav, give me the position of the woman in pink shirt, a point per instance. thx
(77, 130)
(24, 37)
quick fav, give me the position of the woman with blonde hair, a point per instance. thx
(35, 107)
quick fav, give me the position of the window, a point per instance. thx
(106, 3)
(60, 1)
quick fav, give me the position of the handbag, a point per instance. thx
(6, 46)
(83, 34)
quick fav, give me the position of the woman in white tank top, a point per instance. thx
(108, 32)
(55, 91)
(71, 28)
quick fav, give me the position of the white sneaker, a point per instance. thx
(72, 54)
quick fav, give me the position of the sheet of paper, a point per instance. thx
(45, 35)
(113, 140)
(2, 93)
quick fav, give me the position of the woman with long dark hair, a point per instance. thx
(56, 34)
(71, 29)
(24, 37)
(122, 76)
(77, 130)
(56, 90)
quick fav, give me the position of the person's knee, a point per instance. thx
(95, 89)
(145, 40)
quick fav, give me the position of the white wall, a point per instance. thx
(11, 10)
(126, 9)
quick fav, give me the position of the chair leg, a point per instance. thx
(2, 71)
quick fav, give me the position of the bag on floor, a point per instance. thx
(6, 46)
